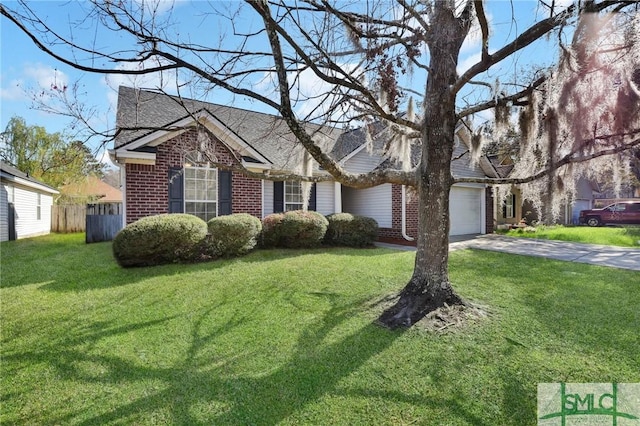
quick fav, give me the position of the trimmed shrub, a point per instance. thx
(295, 229)
(233, 235)
(346, 229)
(271, 230)
(156, 240)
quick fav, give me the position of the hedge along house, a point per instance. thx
(166, 167)
(25, 205)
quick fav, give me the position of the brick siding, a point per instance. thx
(489, 211)
(394, 234)
(147, 186)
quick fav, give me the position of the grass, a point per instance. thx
(286, 337)
(623, 236)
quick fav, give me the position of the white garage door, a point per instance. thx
(465, 206)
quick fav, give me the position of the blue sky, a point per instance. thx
(25, 70)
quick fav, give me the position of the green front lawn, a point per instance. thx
(286, 337)
(624, 236)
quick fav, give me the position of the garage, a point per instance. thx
(466, 210)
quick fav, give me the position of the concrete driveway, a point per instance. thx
(615, 257)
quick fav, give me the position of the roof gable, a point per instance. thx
(148, 118)
(12, 174)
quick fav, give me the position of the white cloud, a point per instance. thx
(558, 6)
(468, 62)
(481, 118)
(34, 78)
(158, 6)
(474, 38)
(46, 77)
(13, 91)
(310, 91)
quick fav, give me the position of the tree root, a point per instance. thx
(411, 308)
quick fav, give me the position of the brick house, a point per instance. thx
(165, 167)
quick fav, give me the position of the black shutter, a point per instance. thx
(176, 190)
(278, 197)
(224, 192)
(312, 198)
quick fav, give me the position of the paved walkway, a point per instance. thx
(616, 257)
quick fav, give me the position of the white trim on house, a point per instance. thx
(122, 156)
(337, 197)
(224, 134)
(404, 214)
(483, 211)
(123, 186)
(262, 215)
(28, 183)
(256, 167)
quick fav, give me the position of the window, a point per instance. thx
(11, 195)
(292, 196)
(618, 207)
(201, 192)
(39, 208)
(508, 210)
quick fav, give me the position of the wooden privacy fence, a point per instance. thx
(68, 218)
(103, 222)
(100, 222)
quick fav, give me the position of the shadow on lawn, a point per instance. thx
(313, 370)
(203, 380)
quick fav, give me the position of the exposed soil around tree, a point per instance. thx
(445, 319)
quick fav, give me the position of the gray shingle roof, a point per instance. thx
(503, 170)
(141, 112)
(268, 134)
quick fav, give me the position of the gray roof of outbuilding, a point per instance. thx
(10, 170)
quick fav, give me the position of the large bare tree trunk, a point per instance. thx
(429, 287)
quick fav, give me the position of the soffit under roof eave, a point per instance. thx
(129, 157)
(256, 167)
(122, 156)
(224, 134)
(30, 184)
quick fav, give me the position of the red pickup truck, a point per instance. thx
(626, 212)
